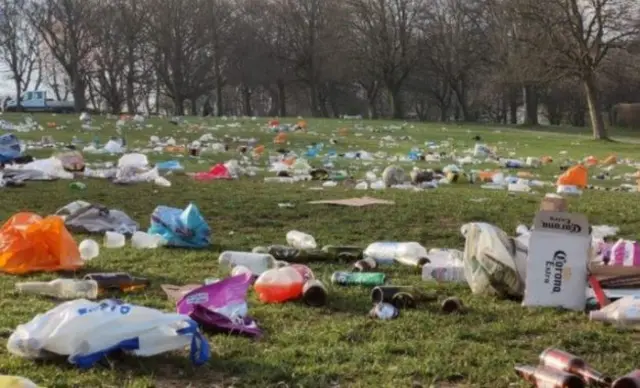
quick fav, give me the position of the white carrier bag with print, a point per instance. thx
(87, 331)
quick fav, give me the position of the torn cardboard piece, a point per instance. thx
(355, 202)
(175, 293)
(557, 264)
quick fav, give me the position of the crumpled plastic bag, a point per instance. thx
(219, 171)
(16, 382)
(9, 147)
(84, 217)
(494, 263)
(181, 228)
(72, 161)
(29, 243)
(221, 307)
(88, 331)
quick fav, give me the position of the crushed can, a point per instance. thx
(384, 311)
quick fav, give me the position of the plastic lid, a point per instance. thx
(598, 316)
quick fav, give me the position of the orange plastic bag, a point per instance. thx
(546, 160)
(575, 176)
(591, 161)
(30, 243)
(281, 138)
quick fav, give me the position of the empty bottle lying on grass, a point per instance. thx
(90, 287)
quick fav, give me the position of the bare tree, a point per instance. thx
(64, 26)
(575, 36)
(180, 36)
(19, 45)
(387, 32)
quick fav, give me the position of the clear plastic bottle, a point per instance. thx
(301, 240)
(279, 285)
(256, 262)
(623, 312)
(61, 288)
(405, 252)
(89, 249)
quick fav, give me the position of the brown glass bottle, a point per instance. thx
(364, 265)
(118, 281)
(567, 362)
(630, 380)
(546, 377)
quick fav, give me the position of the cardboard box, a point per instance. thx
(553, 203)
(557, 264)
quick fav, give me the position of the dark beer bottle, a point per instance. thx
(567, 362)
(546, 377)
(630, 380)
(365, 265)
(118, 281)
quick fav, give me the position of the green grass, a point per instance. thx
(337, 345)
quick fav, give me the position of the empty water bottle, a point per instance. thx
(61, 288)
(256, 262)
(410, 253)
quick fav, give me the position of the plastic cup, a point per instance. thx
(114, 240)
(142, 240)
(89, 249)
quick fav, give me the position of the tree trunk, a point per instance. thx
(597, 123)
(282, 99)
(513, 106)
(246, 98)
(531, 105)
(194, 106)
(18, 95)
(79, 89)
(372, 110)
(444, 113)
(396, 103)
(178, 106)
(219, 104)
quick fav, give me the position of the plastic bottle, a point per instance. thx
(114, 240)
(279, 285)
(256, 262)
(89, 249)
(388, 252)
(301, 240)
(119, 281)
(623, 312)
(61, 288)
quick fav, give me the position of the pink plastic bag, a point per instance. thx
(219, 171)
(221, 307)
(625, 253)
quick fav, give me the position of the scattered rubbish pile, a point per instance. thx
(561, 261)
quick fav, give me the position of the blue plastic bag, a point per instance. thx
(9, 148)
(170, 165)
(181, 228)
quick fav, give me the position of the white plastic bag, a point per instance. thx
(87, 331)
(494, 264)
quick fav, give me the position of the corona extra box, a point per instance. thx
(557, 263)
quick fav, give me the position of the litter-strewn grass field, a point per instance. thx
(338, 345)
